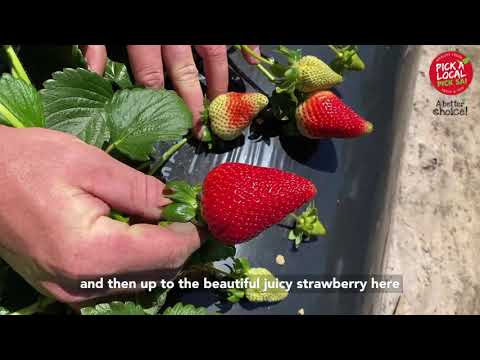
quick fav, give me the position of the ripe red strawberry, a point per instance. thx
(231, 113)
(239, 201)
(324, 115)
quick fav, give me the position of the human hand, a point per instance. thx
(148, 62)
(55, 229)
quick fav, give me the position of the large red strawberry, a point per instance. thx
(239, 201)
(324, 115)
(231, 113)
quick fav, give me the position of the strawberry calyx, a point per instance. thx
(185, 206)
(207, 136)
(307, 225)
(347, 58)
(254, 280)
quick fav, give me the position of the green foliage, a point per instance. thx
(181, 309)
(307, 225)
(20, 103)
(138, 118)
(114, 308)
(74, 102)
(117, 73)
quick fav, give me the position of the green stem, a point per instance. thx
(16, 64)
(253, 54)
(35, 307)
(14, 73)
(10, 117)
(265, 72)
(334, 49)
(166, 155)
(110, 147)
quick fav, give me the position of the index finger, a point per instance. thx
(181, 67)
(216, 68)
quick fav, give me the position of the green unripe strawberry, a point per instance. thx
(315, 75)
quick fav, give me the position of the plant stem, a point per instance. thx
(266, 72)
(334, 49)
(109, 149)
(16, 64)
(253, 54)
(166, 155)
(10, 117)
(14, 73)
(35, 307)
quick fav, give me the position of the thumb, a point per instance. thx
(124, 188)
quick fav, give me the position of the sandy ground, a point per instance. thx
(434, 237)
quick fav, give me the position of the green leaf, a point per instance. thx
(292, 235)
(138, 118)
(181, 309)
(119, 217)
(181, 186)
(77, 58)
(21, 101)
(466, 61)
(183, 192)
(178, 212)
(241, 266)
(4, 311)
(152, 302)
(257, 294)
(114, 308)
(74, 102)
(181, 197)
(235, 295)
(292, 55)
(117, 73)
(212, 251)
(278, 69)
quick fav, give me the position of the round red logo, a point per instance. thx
(451, 72)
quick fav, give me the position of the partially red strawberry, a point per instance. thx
(231, 113)
(239, 201)
(324, 115)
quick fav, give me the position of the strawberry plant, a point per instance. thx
(299, 79)
(235, 203)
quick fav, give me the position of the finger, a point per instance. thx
(147, 66)
(144, 247)
(216, 68)
(96, 57)
(120, 186)
(184, 74)
(250, 59)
